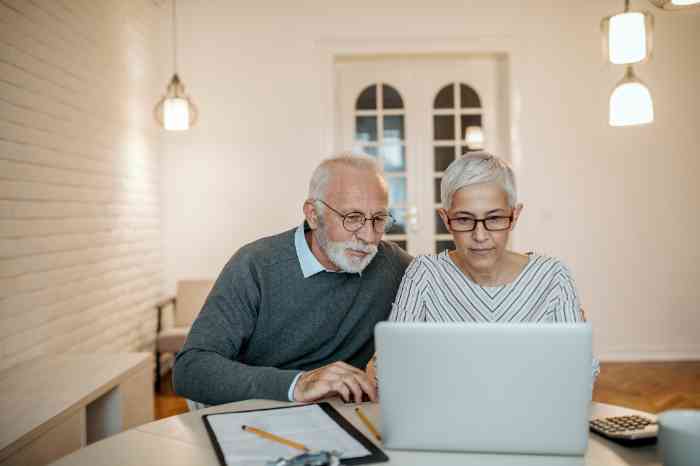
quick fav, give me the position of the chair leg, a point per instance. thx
(157, 372)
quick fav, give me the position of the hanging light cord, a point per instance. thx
(174, 36)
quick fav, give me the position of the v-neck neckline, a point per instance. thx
(491, 291)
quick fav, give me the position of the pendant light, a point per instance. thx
(630, 102)
(175, 111)
(675, 4)
(627, 37)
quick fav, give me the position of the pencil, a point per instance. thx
(275, 438)
(368, 423)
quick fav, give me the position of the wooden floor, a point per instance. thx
(650, 386)
(167, 402)
(647, 386)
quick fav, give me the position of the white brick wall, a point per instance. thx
(80, 261)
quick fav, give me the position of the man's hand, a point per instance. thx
(338, 378)
(371, 369)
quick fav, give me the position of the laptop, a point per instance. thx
(493, 388)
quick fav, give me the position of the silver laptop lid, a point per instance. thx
(508, 388)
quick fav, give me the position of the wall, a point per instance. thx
(80, 260)
(617, 204)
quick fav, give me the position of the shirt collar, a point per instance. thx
(309, 264)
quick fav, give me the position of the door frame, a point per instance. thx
(510, 50)
(418, 79)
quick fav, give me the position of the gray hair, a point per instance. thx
(322, 173)
(474, 168)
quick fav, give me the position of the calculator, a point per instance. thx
(627, 430)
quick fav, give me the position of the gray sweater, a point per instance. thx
(263, 322)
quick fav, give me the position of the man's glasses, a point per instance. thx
(354, 221)
(490, 223)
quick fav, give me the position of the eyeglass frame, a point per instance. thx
(510, 218)
(390, 221)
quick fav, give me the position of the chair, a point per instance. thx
(186, 304)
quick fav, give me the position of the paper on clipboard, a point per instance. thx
(308, 424)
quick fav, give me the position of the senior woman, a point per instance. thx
(481, 280)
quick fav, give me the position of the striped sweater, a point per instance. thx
(434, 289)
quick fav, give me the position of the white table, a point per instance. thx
(57, 404)
(182, 440)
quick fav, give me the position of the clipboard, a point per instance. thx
(222, 425)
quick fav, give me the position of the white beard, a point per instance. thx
(335, 250)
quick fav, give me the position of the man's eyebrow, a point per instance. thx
(357, 211)
(380, 212)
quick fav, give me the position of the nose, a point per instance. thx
(366, 233)
(480, 233)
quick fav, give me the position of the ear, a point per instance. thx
(516, 215)
(310, 214)
(443, 216)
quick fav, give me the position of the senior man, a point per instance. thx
(291, 316)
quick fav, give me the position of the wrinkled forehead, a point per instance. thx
(357, 188)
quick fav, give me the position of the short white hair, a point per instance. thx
(322, 173)
(474, 168)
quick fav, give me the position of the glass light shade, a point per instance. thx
(627, 38)
(674, 5)
(630, 102)
(175, 111)
(474, 137)
(176, 114)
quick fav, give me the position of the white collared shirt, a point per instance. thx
(310, 266)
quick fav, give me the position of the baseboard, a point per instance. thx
(689, 353)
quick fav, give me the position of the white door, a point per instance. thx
(413, 115)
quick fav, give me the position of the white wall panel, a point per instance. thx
(40, 280)
(80, 261)
(45, 262)
(19, 247)
(61, 209)
(49, 191)
(14, 322)
(31, 154)
(70, 292)
(40, 227)
(71, 313)
(91, 325)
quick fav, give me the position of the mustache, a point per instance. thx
(360, 246)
